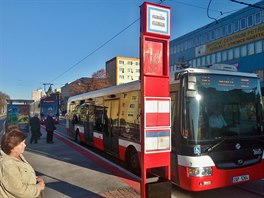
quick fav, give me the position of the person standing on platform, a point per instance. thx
(18, 178)
(50, 127)
(35, 129)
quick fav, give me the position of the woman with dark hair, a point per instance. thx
(18, 178)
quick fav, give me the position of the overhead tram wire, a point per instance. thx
(98, 48)
(208, 12)
(101, 46)
(248, 4)
(195, 6)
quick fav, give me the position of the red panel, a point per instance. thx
(157, 119)
(220, 178)
(122, 152)
(157, 86)
(153, 58)
(157, 159)
(98, 143)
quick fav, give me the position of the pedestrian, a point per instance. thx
(18, 178)
(50, 127)
(35, 128)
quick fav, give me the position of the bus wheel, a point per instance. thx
(132, 160)
(77, 137)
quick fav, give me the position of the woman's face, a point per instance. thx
(19, 149)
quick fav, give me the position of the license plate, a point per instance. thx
(240, 178)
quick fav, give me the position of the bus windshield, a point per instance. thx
(221, 106)
(50, 107)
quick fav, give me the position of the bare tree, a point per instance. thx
(99, 80)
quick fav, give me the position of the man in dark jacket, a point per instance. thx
(35, 128)
(50, 127)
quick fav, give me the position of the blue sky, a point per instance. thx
(40, 40)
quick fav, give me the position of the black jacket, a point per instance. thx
(49, 123)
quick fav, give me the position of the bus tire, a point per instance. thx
(132, 160)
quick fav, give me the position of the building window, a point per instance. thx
(134, 98)
(224, 55)
(213, 35)
(259, 47)
(242, 24)
(189, 42)
(181, 47)
(229, 29)
(251, 49)
(223, 31)
(230, 54)
(243, 50)
(236, 26)
(137, 70)
(194, 63)
(258, 18)
(203, 60)
(185, 45)
(250, 20)
(178, 49)
(121, 62)
(237, 52)
(218, 57)
(198, 62)
(121, 70)
(130, 114)
(129, 62)
(130, 77)
(217, 33)
(132, 106)
(208, 60)
(121, 76)
(189, 63)
(212, 58)
(137, 63)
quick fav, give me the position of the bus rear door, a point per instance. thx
(111, 125)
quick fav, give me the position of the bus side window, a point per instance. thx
(91, 118)
(74, 119)
(98, 124)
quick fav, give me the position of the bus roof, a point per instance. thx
(135, 85)
(174, 76)
(131, 86)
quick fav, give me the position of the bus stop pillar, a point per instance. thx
(155, 100)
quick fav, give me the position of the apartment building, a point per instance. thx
(122, 70)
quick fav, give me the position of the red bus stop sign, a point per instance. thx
(154, 59)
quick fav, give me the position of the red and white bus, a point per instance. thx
(205, 154)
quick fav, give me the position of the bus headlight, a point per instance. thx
(199, 171)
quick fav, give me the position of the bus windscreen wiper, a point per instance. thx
(214, 146)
